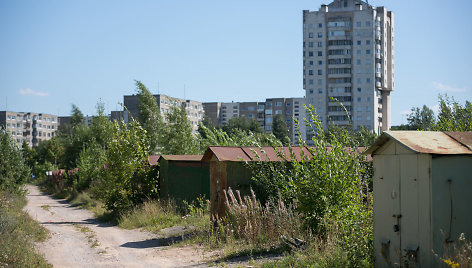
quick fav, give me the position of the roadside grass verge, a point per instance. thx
(18, 232)
(156, 215)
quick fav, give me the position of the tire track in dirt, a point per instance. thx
(77, 239)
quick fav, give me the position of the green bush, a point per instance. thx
(13, 170)
(330, 188)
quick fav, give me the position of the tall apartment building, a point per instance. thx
(29, 127)
(194, 108)
(348, 55)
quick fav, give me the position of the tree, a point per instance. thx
(150, 117)
(179, 138)
(280, 129)
(242, 123)
(452, 116)
(421, 119)
(13, 170)
(77, 117)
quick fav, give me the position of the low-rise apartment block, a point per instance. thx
(28, 126)
(290, 109)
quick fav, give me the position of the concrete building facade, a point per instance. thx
(194, 108)
(348, 55)
(29, 127)
(263, 112)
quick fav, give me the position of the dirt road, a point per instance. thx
(79, 240)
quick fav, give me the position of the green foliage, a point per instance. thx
(242, 123)
(210, 136)
(13, 169)
(331, 186)
(179, 137)
(126, 180)
(150, 117)
(421, 119)
(453, 116)
(77, 117)
(18, 232)
(280, 129)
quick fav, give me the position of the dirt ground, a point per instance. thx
(77, 239)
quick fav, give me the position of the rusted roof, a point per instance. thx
(183, 157)
(153, 159)
(234, 154)
(428, 142)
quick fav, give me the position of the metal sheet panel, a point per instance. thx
(409, 221)
(429, 142)
(386, 204)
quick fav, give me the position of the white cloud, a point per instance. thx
(29, 91)
(447, 88)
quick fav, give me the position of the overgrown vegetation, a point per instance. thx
(18, 231)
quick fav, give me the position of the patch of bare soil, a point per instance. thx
(79, 240)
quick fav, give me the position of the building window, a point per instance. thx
(358, 43)
(359, 109)
(278, 104)
(320, 53)
(358, 62)
(311, 91)
(320, 72)
(367, 24)
(310, 82)
(358, 24)
(310, 72)
(311, 62)
(320, 25)
(320, 35)
(310, 35)
(367, 62)
(358, 52)
(359, 81)
(278, 111)
(320, 62)
(320, 91)
(367, 80)
(320, 44)
(359, 89)
(367, 51)
(359, 99)
(320, 82)
(310, 26)
(367, 42)
(359, 118)
(310, 54)
(310, 44)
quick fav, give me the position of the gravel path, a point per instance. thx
(79, 240)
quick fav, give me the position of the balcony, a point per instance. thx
(378, 74)
(339, 75)
(378, 84)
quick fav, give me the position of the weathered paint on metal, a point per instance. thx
(185, 178)
(245, 154)
(153, 159)
(428, 142)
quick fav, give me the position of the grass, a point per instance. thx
(159, 214)
(89, 233)
(18, 232)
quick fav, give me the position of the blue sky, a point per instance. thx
(58, 52)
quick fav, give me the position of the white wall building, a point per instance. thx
(348, 55)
